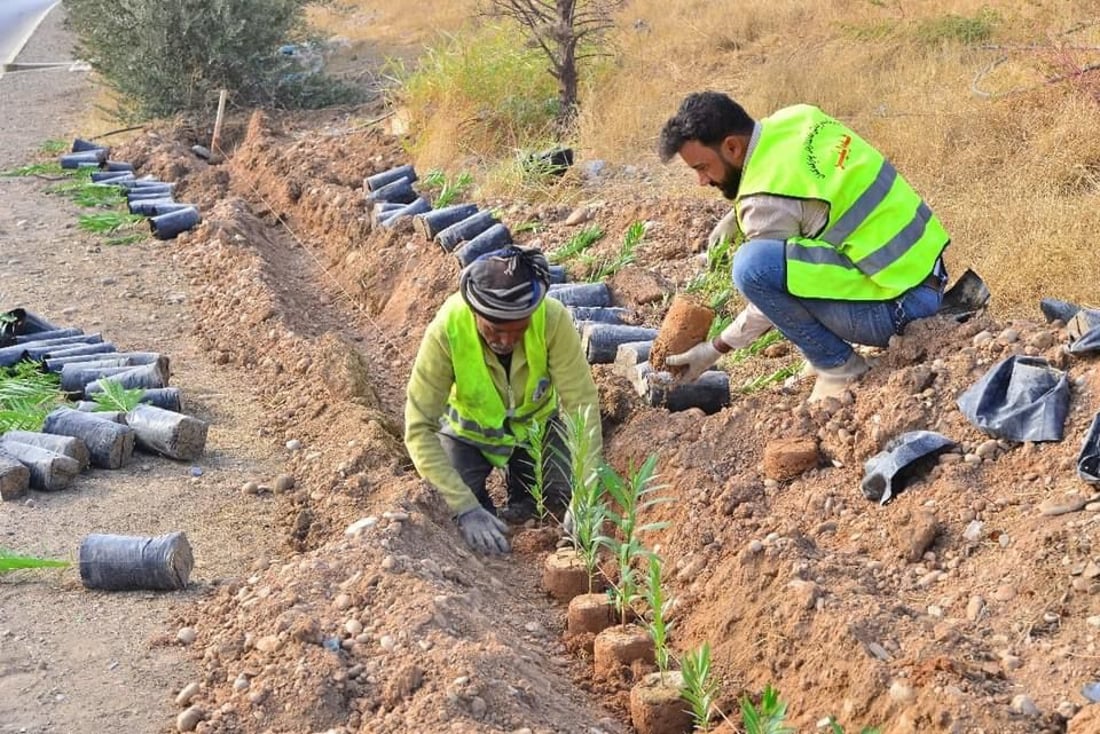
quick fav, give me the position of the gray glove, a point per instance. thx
(695, 361)
(482, 531)
(726, 227)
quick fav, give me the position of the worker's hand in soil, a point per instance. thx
(726, 228)
(483, 532)
(694, 361)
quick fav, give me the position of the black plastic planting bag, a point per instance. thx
(967, 296)
(125, 563)
(1021, 399)
(1088, 463)
(886, 473)
(1088, 343)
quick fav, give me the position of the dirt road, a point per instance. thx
(73, 660)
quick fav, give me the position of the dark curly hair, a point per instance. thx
(708, 117)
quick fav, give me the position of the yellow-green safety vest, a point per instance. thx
(880, 240)
(475, 410)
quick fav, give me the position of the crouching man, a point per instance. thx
(498, 358)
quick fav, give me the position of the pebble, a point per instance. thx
(293, 444)
(1093, 621)
(396, 516)
(1007, 592)
(387, 642)
(974, 608)
(902, 692)
(478, 707)
(342, 601)
(580, 215)
(189, 718)
(186, 635)
(283, 483)
(360, 525)
(250, 488)
(988, 449)
(982, 338)
(189, 691)
(353, 627)
(242, 684)
(534, 628)
(1024, 705)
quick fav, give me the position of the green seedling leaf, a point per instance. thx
(108, 222)
(116, 397)
(10, 561)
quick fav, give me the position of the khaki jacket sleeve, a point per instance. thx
(569, 370)
(425, 399)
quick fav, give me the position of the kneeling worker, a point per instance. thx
(498, 357)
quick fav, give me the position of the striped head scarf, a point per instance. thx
(506, 284)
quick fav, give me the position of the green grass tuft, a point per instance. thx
(108, 222)
(960, 29)
(10, 561)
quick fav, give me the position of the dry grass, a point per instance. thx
(1013, 168)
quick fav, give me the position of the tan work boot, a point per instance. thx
(833, 381)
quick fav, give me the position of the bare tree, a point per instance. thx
(568, 32)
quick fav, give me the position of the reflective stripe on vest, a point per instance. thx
(880, 240)
(475, 410)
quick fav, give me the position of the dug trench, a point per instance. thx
(964, 605)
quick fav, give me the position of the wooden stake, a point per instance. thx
(215, 139)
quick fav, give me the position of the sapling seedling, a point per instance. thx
(700, 688)
(600, 269)
(536, 446)
(659, 606)
(577, 244)
(587, 508)
(116, 397)
(836, 728)
(449, 188)
(631, 495)
(770, 717)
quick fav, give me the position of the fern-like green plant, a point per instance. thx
(700, 688)
(587, 507)
(770, 717)
(27, 395)
(115, 397)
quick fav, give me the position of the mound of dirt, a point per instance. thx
(960, 606)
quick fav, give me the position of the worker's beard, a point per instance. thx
(731, 181)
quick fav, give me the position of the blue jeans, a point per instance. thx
(823, 329)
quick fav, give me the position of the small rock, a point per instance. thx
(241, 684)
(387, 642)
(580, 215)
(250, 488)
(293, 444)
(189, 718)
(902, 693)
(186, 635)
(1009, 336)
(1024, 705)
(342, 601)
(283, 483)
(974, 608)
(478, 707)
(189, 691)
(360, 525)
(1006, 592)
